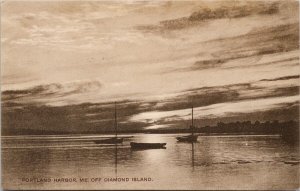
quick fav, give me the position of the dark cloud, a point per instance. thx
(222, 94)
(282, 78)
(71, 118)
(286, 91)
(204, 14)
(52, 90)
(235, 11)
(270, 40)
(206, 64)
(200, 97)
(99, 117)
(295, 59)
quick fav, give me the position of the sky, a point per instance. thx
(64, 63)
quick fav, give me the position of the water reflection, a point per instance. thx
(116, 159)
(193, 158)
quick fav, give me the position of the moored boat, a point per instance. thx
(189, 138)
(113, 140)
(135, 145)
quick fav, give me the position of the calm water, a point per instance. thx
(215, 162)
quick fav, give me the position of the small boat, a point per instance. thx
(189, 138)
(113, 140)
(135, 145)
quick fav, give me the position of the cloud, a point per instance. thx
(49, 92)
(294, 90)
(236, 11)
(206, 64)
(230, 11)
(223, 94)
(261, 41)
(250, 50)
(283, 78)
(91, 91)
(217, 110)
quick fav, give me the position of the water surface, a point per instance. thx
(215, 162)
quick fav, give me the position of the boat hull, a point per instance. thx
(189, 138)
(135, 145)
(109, 141)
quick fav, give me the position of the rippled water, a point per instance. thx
(215, 162)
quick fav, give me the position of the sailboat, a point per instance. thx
(192, 137)
(113, 140)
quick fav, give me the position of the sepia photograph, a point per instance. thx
(150, 95)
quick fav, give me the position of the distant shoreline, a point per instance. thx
(124, 134)
(288, 129)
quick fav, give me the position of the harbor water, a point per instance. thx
(214, 162)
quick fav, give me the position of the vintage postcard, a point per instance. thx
(150, 95)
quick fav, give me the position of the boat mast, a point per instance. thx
(116, 125)
(192, 120)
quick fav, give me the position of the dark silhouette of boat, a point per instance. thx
(189, 138)
(141, 146)
(113, 140)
